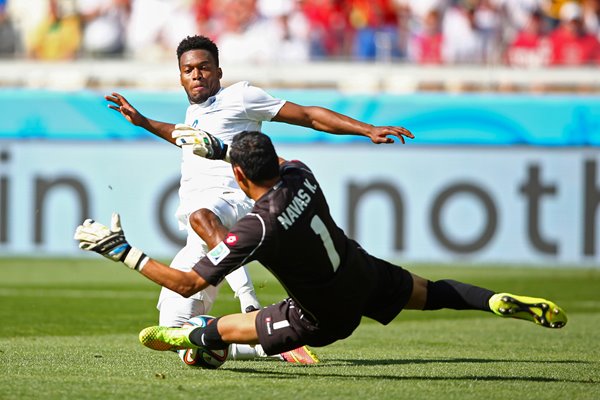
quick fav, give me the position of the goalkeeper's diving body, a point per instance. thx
(209, 196)
(331, 281)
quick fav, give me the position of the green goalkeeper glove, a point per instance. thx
(111, 243)
(204, 144)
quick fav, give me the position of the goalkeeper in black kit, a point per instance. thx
(330, 280)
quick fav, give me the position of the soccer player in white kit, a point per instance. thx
(213, 191)
(209, 196)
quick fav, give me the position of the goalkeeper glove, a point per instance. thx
(204, 144)
(111, 243)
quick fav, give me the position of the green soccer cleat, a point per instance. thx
(162, 338)
(541, 311)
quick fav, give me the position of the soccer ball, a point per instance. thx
(202, 357)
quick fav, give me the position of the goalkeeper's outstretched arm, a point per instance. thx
(111, 243)
(186, 283)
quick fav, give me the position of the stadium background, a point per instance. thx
(504, 167)
(502, 179)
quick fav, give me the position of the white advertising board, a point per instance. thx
(407, 203)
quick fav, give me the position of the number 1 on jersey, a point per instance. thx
(320, 229)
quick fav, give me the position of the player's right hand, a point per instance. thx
(385, 134)
(204, 144)
(110, 243)
(121, 105)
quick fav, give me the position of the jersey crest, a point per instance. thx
(217, 254)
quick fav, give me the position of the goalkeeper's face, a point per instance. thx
(199, 75)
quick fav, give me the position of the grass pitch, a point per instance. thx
(69, 331)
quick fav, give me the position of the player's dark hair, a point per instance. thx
(254, 152)
(198, 42)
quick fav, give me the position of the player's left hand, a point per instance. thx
(382, 134)
(110, 243)
(204, 144)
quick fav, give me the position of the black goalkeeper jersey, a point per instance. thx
(291, 232)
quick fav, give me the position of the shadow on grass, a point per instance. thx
(288, 374)
(320, 370)
(448, 361)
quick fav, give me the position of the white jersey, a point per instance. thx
(239, 107)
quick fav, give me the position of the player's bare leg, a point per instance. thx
(418, 297)
(238, 328)
(210, 229)
(208, 226)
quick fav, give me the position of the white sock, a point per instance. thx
(248, 352)
(240, 283)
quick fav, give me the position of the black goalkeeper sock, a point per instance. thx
(456, 295)
(208, 337)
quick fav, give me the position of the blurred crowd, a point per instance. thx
(528, 33)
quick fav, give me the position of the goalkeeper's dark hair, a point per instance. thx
(254, 153)
(198, 42)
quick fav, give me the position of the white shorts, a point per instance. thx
(229, 205)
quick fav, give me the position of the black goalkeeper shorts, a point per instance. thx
(282, 327)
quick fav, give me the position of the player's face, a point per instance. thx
(199, 75)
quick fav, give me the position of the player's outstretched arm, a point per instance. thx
(131, 114)
(111, 243)
(323, 119)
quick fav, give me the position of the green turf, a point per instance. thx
(69, 331)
